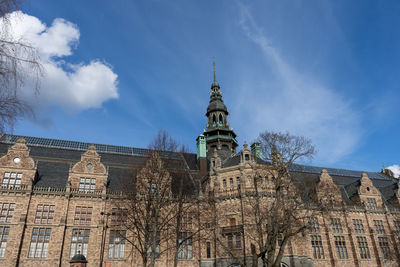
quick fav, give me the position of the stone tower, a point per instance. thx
(219, 136)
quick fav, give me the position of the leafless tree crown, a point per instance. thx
(19, 60)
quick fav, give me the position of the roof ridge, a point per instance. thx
(80, 146)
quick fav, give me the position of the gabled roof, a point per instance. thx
(55, 157)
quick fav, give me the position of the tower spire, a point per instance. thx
(215, 85)
(215, 76)
(218, 134)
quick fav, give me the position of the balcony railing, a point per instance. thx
(86, 191)
(8, 187)
(48, 189)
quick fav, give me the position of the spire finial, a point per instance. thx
(215, 77)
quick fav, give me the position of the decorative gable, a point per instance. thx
(368, 194)
(90, 163)
(18, 156)
(327, 191)
(17, 167)
(89, 174)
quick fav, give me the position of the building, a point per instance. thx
(55, 203)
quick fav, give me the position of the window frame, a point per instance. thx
(39, 245)
(116, 244)
(79, 241)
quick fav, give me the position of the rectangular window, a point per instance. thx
(39, 243)
(185, 248)
(313, 222)
(380, 230)
(336, 225)
(238, 241)
(4, 230)
(44, 214)
(358, 226)
(116, 246)
(371, 203)
(317, 248)
(6, 212)
(230, 241)
(224, 183)
(231, 183)
(118, 216)
(11, 180)
(238, 182)
(341, 247)
(83, 215)
(384, 246)
(87, 185)
(363, 247)
(208, 248)
(79, 242)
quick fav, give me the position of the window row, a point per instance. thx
(341, 248)
(11, 180)
(358, 226)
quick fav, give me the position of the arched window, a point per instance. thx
(224, 182)
(214, 121)
(221, 121)
(231, 183)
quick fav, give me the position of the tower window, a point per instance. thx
(247, 157)
(214, 120)
(221, 121)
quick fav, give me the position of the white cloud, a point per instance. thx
(73, 87)
(296, 102)
(395, 169)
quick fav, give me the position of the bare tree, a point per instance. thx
(163, 142)
(147, 208)
(18, 60)
(278, 213)
(159, 213)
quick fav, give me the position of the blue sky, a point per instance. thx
(120, 70)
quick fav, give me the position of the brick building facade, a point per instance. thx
(55, 200)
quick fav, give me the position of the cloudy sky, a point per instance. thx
(117, 71)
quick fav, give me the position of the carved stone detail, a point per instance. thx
(18, 151)
(90, 163)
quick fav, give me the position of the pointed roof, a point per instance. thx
(216, 102)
